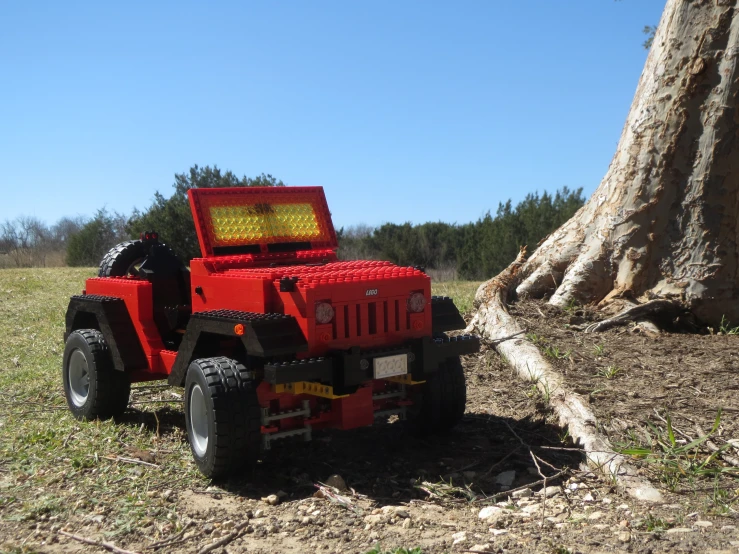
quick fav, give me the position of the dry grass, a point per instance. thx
(462, 292)
(54, 468)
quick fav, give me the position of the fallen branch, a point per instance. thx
(493, 321)
(105, 545)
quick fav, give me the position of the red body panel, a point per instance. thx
(366, 320)
(137, 294)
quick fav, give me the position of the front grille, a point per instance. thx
(363, 319)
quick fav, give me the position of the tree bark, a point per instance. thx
(664, 222)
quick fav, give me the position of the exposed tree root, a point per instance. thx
(494, 322)
(654, 308)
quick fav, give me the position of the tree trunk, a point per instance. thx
(664, 221)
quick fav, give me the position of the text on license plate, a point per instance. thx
(390, 366)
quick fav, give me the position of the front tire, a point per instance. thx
(222, 416)
(93, 387)
(439, 404)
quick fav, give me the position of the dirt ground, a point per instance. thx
(453, 493)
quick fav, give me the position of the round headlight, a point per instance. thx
(324, 312)
(416, 302)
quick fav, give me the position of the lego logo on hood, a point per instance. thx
(372, 292)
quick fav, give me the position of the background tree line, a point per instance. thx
(470, 251)
(449, 251)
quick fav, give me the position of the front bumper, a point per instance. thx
(347, 369)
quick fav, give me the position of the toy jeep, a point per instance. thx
(269, 334)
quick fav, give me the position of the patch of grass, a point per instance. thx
(675, 462)
(533, 338)
(654, 524)
(598, 350)
(555, 353)
(55, 468)
(462, 292)
(609, 372)
(725, 327)
(443, 490)
(722, 500)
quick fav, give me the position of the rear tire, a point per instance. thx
(222, 416)
(439, 404)
(93, 387)
(123, 259)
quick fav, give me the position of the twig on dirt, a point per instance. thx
(464, 468)
(129, 461)
(69, 437)
(171, 541)
(565, 471)
(503, 459)
(544, 501)
(332, 495)
(237, 532)
(157, 418)
(136, 402)
(105, 545)
(509, 337)
(134, 389)
(728, 458)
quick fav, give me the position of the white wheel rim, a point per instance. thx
(79, 378)
(198, 420)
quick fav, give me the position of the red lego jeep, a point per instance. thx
(270, 335)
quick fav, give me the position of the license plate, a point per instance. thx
(390, 366)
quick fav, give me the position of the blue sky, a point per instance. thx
(403, 110)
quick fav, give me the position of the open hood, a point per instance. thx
(253, 220)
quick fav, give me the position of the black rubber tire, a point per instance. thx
(120, 259)
(107, 391)
(439, 404)
(232, 413)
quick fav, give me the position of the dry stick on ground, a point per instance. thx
(565, 471)
(105, 545)
(493, 321)
(728, 458)
(225, 540)
(171, 541)
(544, 500)
(127, 460)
